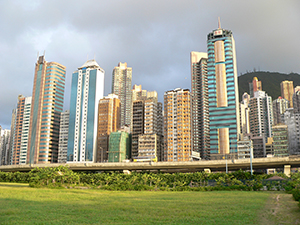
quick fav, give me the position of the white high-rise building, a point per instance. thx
(25, 130)
(86, 91)
(261, 114)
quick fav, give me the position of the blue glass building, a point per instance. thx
(86, 91)
(222, 94)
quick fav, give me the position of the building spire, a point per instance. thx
(219, 22)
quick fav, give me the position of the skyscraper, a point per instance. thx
(261, 115)
(177, 125)
(254, 86)
(200, 110)
(63, 137)
(296, 101)
(12, 135)
(222, 93)
(47, 104)
(121, 86)
(108, 121)
(287, 91)
(244, 114)
(280, 105)
(20, 139)
(86, 91)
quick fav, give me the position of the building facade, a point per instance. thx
(63, 136)
(280, 105)
(222, 94)
(121, 86)
(292, 120)
(21, 129)
(200, 110)
(119, 146)
(46, 107)
(254, 86)
(261, 115)
(109, 113)
(296, 101)
(86, 91)
(287, 91)
(177, 125)
(280, 140)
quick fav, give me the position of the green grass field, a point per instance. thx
(20, 204)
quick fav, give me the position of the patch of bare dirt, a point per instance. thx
(280, 209)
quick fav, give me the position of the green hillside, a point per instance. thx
(270, 82)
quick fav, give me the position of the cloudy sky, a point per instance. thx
(154, 37)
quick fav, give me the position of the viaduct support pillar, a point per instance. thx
(287, 170)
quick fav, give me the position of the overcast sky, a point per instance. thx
(154, 37)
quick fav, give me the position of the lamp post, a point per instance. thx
(251, 155)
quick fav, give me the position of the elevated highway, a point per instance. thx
(210, 165)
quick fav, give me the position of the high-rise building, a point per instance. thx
(200, 110)
(292, 120)
(108, 121)
(280, 105)
(119, 146)
(47, 104)
(86, 91)
(177, 125)
(63, 136)
(150, 142)
(254, 86)
(121, 86)
(18, 129)
(261, 115)
(222, 94)
(280, 140)
(137, 125)
(21, 130)
(4, 146)
(287, 91)
(296, 101)
(244, 114)
(138, 93)
(12, 135)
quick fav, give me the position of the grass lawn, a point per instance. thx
(20, 204)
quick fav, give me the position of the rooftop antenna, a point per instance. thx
(219, 22)
(37, 56)
(44, 52)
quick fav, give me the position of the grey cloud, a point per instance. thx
(154, 37)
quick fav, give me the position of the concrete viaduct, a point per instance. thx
(285, 163)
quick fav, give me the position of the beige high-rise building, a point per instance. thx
(287, 91)
(177, 125)
(121, 86)
(108, 121)
(46, 107)
(200, 112)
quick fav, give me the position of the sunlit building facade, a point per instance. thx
(46, 107)
(177, 125)
(222, 94)
(121, 86)
(200, 110)
(86, 91)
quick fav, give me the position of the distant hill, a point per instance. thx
(270, 82)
